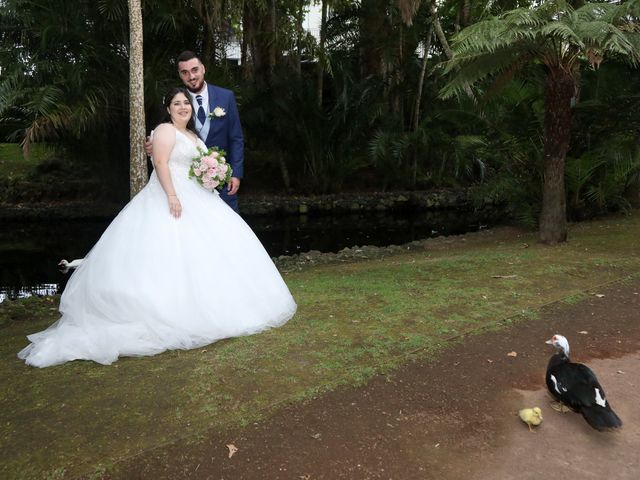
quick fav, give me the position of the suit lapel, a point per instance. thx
(212, 95)
(212, 124)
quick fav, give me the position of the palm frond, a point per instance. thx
(553, 32)
(480, 66)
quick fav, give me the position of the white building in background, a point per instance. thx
(311, 24)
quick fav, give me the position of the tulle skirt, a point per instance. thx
(154, 282)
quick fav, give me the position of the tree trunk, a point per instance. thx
(244, 58)
(299, 36)
(321, 57)
(559, 89)
(394, 91)
(208, 42)
(416, 107)
(445, 45)
(374, 26)
(423, 71)
(466, 13)
(138, 160)
(284, 171)
(257, 21)
(273, 43)
(633, 192)
(440, 33)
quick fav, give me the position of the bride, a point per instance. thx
(176, 269)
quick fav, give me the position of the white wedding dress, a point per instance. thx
(153, 282)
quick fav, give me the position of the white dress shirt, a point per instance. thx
(203, 130)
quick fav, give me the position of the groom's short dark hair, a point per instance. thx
(188, 55)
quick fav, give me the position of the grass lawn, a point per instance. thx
(13, 163)
(354, 320)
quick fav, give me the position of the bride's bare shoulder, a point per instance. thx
(164, 132)
(165, 129)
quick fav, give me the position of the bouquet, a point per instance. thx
(210, 168)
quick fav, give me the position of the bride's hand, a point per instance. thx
(174, 206)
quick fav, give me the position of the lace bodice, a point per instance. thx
(184, 151)
(180, 160)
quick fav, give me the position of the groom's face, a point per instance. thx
(192, 74)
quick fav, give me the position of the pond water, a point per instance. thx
(29, 253)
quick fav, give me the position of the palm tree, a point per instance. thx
(138, 160)
(563, 40)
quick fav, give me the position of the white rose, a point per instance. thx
(219, 112)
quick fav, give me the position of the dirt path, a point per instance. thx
(452, 418)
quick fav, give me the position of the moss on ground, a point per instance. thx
(354, 320)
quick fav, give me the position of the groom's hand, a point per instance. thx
(234, 185)
(148, 146)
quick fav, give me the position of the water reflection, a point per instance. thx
(29, 254)
(24, 292)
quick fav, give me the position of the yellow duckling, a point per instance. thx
(531, 416)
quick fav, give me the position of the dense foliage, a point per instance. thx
(371, 101)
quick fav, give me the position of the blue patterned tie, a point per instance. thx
(201, 115)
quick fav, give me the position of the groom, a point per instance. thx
(217, 120)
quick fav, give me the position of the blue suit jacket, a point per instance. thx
(226, 133)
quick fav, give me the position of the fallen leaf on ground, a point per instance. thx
(583, 332)
(620, 372)
(489, 360)
(512, 354)
(232, 449)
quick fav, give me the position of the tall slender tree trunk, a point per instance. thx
(321, 56)
(633, 192)
(284, 171)
(374, 26)
(559, 89)
(258, 28)
(138, 159)
(273, 42)
(299, 35)
(244, 46)
(439, 31)
(208, 42)
(437, 26)
(423, 71)
(466, 13)
(416, 107)
(393, 69)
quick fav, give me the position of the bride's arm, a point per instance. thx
(164, 139)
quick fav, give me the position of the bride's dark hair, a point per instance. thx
(166, 101)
